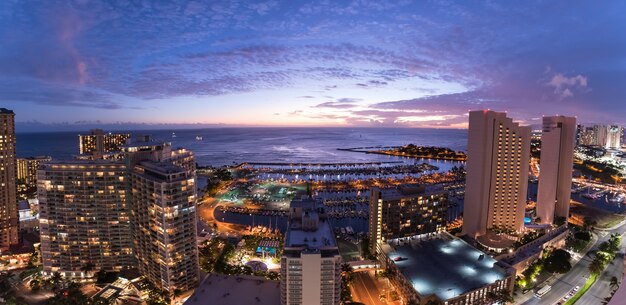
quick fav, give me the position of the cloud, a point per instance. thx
(563, 84)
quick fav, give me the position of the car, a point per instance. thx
(576, 288)
(566, 297)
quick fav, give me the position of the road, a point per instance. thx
(365, 290)
(602, 288)
(577, 276)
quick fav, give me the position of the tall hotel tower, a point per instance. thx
(557, 158)
(497, 173)
(9, 222)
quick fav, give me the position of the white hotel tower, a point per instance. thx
(555, 178)
(497, 173)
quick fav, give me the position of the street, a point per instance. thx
(365, 290)
(577, 276)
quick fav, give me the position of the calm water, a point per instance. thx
(223, 146)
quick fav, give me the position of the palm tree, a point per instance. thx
(596, 266)
(614, 283)
(87, 268)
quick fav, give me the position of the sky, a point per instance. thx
(309, 63)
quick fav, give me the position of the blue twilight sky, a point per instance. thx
(309, 63)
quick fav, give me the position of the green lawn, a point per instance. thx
(592, 279)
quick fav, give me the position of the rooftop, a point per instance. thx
(409, 190)
(6, 111)
(445, 266)
(320, 238)
(218, 289)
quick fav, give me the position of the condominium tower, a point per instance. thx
(557, 158)
(139, 211)
(405, 211)
(163, 214)
(9, 221)
(497, 173)
(311, 264)
(84, 217)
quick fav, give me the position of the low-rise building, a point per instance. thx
(220, 289)
(443, 268)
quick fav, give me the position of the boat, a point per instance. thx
(173, 135)
(198, 138)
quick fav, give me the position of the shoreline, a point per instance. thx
(389, 153)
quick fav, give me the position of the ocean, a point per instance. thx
(227, 146)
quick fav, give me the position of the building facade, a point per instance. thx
(613, 137)
(311, 264)
(97, 142)
(27, 169)
(405, 211)
(138, 211)
(84, 217)
(497, 173)
(163, 214)
(9, 220)
(557, 159)
(586, 136)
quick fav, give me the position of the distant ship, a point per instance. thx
(198, 138)
(173, 135)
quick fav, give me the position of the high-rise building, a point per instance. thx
(9, 220)
(163, 214)
(586, 136)
(600, 135)
(98, 142)
(613, 137)
(27, 169)
(311, 264)
(557, 158)
(139, 211)
(405, 211)
(84, 217)
(497, 173)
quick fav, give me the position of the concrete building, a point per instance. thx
(311, 264)
(613, 137)
(9, 220)
(497, 173)
(27, 169)
(163, 214)
(405, 211)
(600, 135)
(557, 159)
(585, 136)
(445, 270)
(97, 142)
(84, 217)
(136, 212)
(220, 289)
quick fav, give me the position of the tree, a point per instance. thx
(596, 266)
(87, 268)
(614, 283)
(499, 297)
(558, 262)
(69, 296)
